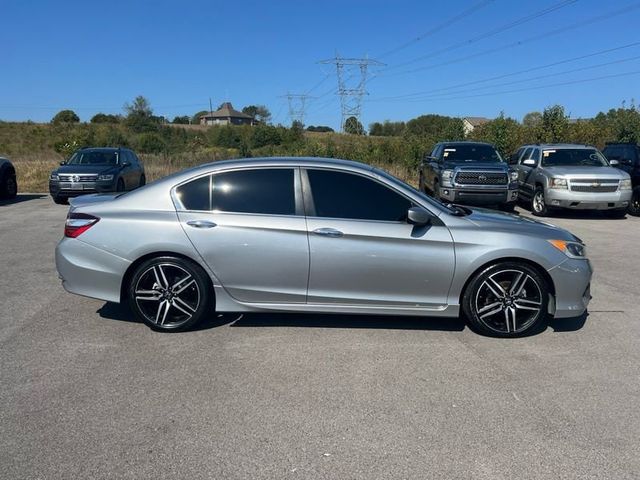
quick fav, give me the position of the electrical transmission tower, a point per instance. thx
(297, 106)
(352, 79)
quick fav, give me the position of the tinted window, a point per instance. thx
(526, 155)
(267, 191)
(97, 157)
(471, 153)
(535, 155)
(513, 159)
(583, 157)
(612, 153)
(132, 158)
(345, 195)
(195, 194)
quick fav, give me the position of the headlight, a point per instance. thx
(558, 183)
(447, 178)
(570, 249)
(625, 184)
(513, 176)
(54, 176)
(105, 177)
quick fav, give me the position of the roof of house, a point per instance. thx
(475, 121)
(226, 111)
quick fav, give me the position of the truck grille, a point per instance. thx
(480, 178)
(80, 178)
(594, 185)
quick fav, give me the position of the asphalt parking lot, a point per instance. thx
(86, 392)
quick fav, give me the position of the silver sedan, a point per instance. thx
(316, 235)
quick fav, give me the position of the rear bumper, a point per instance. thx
(587, 201)
(476, 196)
(572, 280)
(89, 271)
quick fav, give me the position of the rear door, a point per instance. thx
(363, 251)
(248, 225)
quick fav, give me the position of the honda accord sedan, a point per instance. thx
(316, 235)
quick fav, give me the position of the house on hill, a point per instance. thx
(470, 123)
(226, 115)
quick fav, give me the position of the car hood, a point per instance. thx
(587, 172)
(493, 220)
(94, 169)
(485, 166)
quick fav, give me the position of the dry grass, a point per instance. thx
(33, 169)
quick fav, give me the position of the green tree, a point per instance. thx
(554, 126)
(65, 116)
(434, 128)
(196, 117)
(319, 128)
(184, 119)
(140, 115)
(259, 112)
(139, 107)
(532, 119)
(105, 118)
(353, 126)
(503, 132)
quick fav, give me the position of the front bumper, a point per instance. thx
(572, 280)
(587, 201)
(89, 271)
(70, 189)
(479, 196)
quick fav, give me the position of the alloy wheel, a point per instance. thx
(167, 295)
(538, 202)
(508, 301)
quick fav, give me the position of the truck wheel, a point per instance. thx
(634, 205)
(421, 185)
(538, 203)
(436, 190)
(60, 200)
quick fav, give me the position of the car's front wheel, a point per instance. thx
(170, 293)
(9, 188)
(60, 200)
(538, 203)
(507, 299)
(634, 205)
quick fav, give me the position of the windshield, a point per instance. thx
(94, 158)
(471, 153)
(573, 157)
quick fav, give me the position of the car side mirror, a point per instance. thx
(126, 163)
(529, 162)
(418, 216)
(615, 163)
(63, 162)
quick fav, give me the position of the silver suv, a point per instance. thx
(553, 176)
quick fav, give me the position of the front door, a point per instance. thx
(363, 252)
(247, 228)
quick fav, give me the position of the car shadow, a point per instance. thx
(122, 313)
(22, 197)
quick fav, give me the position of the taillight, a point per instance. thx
(78, 223)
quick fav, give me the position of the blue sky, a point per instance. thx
(94, 56)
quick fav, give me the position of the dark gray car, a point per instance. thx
(96, 170)
(8, 183)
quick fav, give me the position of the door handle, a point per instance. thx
(328, 232)
(201, 224)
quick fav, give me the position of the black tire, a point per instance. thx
(421, 184)
(521, 311)
(9, 187)
(143, 181)
(618, 213)
(120, 185)
(538, 203)
(508, 207)
(170, 294)
(634, 204)
(60, 200)
(436, 190)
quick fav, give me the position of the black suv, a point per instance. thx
(96, 170)
(471, 173)
(626, 156)
(8, 184)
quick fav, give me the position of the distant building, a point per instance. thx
(470, 123)
(226, 115)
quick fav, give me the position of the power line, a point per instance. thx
(488, 34)
(445, 91)
(540, 87)
(537, 37)
(297, 106)
(447, 23)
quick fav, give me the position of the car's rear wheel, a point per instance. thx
(538, 203)
(143, 181)
(507, 299)
(120, 185)
(170, 293)
(9, 188)
(634, 205)
(60, 200)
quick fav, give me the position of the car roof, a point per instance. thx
(101, 149)
(466, 142)
(292, 161)
(559, 146)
